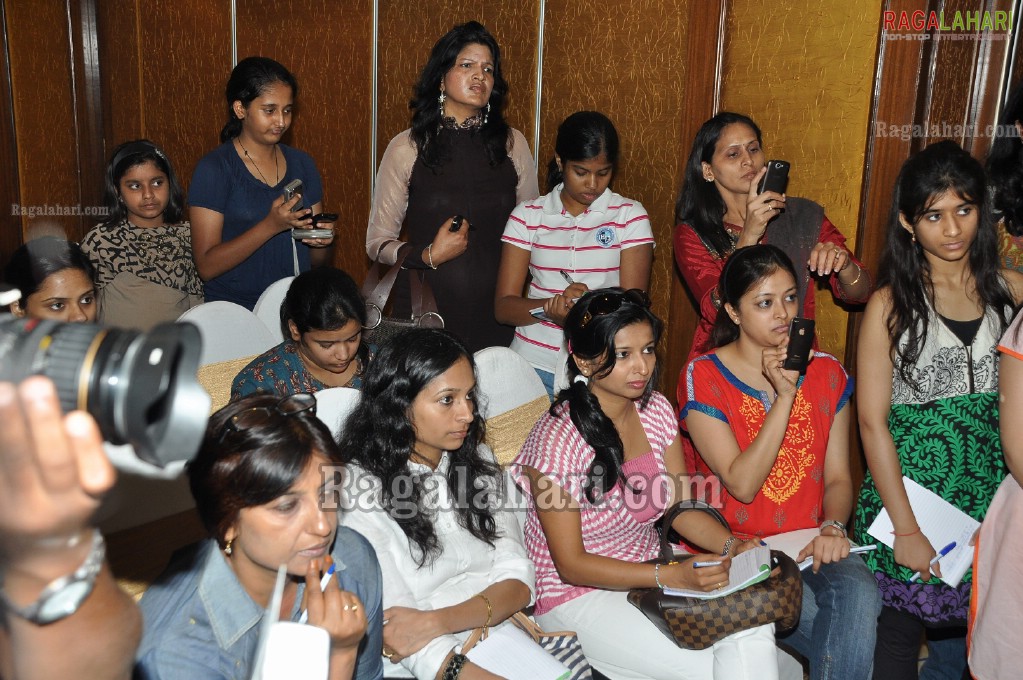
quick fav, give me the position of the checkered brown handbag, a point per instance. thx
(694, 623)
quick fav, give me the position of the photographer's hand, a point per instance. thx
(53, 471)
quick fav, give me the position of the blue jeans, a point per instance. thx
(838, 623)
(547, 379)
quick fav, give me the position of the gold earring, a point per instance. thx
(229, 547)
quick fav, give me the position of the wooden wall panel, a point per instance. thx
(10, 225)
(804, 74)
(328, 46)
(633, 69)
(44, 115)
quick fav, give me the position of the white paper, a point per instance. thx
(512, 654)
(748, 568)
(792, 543)
(941, 522)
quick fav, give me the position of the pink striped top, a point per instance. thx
(622, 524)
(587, 246)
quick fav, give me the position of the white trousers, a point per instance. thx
(622, 644)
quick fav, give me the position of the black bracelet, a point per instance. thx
(454, 667)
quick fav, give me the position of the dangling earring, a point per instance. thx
(229, 547)
(913, 236)
(486, 116)
(440, 103)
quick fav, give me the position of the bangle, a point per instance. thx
(859, 273)
(490, 614)
(728, 545)
(429, 258)
(657, 576)
(454, 667)
(915, 531)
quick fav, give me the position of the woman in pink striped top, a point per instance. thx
(600, 468)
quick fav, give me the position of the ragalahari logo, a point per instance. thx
(960, 21)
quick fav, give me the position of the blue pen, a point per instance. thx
(944, 551)
(697, 565)
(323, 586)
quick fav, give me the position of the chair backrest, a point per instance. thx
(334, 404)
(268, 306)
(513, 400)
(228, 331)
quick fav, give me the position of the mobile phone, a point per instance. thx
(456, 223)
(290, 189)
(323, 217)
(800, 344)
(299, 234)
(776, 178)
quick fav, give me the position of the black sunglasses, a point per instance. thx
(291, 405)
(611, 301)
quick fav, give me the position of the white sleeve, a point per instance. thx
(390, 199)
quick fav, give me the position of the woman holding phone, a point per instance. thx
(452, 179)
(240, 212)
(778, 442)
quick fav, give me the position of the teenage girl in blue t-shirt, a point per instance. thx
(240, 221)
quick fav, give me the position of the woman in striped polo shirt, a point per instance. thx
(580, 236)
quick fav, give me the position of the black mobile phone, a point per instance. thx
(290, 189)
(776, 178)
(323, 217)
(800, 344)
(456, 223)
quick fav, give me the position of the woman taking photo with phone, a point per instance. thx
(262, 482)
(452, 179)
(579, 236)
(778, 442)
(927, 397)
(241, 221)
(429, 496)
(600, 468)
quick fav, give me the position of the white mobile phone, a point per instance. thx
(299, 234)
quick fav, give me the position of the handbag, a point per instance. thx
(695, 623)
(376, 290)
(563, 645)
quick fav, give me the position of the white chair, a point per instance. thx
(333, 406)
(228, 331)
(513, 399)
(268, 306)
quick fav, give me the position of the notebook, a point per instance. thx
(752, 566)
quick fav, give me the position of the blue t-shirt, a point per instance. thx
(200, 624)
(222, 183)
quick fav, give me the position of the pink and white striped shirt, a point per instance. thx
(622, 524)
(587, 246)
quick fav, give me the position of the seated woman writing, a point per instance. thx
(779, 444)
(427, 493)
(322, 318)
(259, 483)
(601, 468)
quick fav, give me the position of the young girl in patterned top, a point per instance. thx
(927, 397)
(600, 469)
(142, 253)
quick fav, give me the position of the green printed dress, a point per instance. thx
(946, 434)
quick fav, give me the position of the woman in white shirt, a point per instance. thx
(429, 496)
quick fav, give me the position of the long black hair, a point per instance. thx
(380, 437)
(125, 157)
(590, 329)
(699, 202)
(940, 167)
(249, 79)
(426, 118)
(252, 466)
(35, 261)
(582, 136)
(323, 299)
(744, 269)
(1005, 163)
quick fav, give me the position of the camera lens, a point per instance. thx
(140, 387)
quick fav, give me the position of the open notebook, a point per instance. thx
(752, 566)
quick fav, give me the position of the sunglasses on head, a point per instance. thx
(291, 405)
(611, 301)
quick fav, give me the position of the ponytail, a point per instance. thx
(599, 432)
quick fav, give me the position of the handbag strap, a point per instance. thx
(674, 511)
(376, 290)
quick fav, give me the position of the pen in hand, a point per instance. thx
(323, 586)
(944, 551)
(567, 278)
